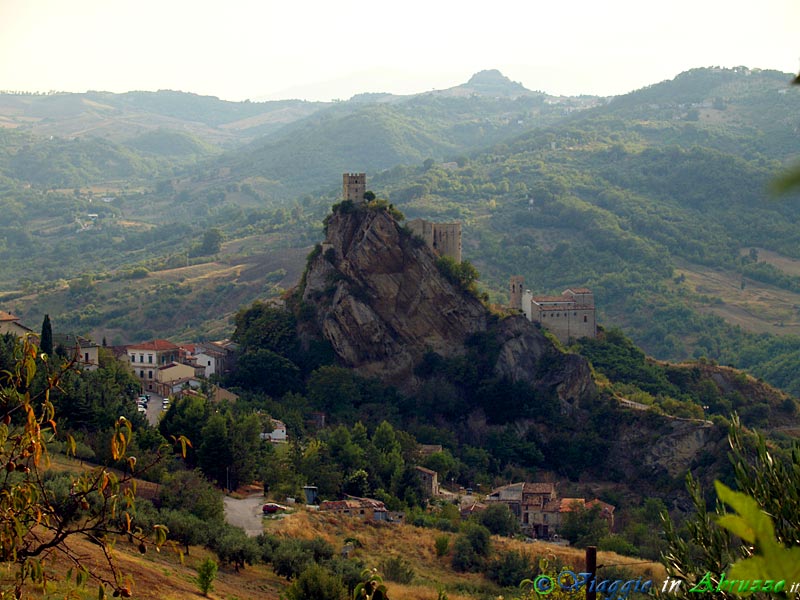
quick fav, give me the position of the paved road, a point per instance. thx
(245, 513)
(154, 409)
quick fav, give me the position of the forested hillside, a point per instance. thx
(658, 200)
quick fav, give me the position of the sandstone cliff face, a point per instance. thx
(382, 303)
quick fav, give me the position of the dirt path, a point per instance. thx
(245, 513)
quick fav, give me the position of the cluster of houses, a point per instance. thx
(168, 369)
(539, 509)
(537, 506)
(163, 368)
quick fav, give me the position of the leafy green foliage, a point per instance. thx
(442, 545)
(370, 587)
(471, 548)
(509, 568)
(755, 527)
(41, 515)
(770, 485)
(316, 583)
(499, 519)
(206, 574)
(583, 526)
(462, 274)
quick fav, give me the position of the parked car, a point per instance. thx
(271, 508)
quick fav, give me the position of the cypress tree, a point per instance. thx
(46, 342)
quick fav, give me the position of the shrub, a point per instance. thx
(397, 569)
(316, 583)
(442, 544)
(509, 568)
(499, 519)
(618, 544)
(464, 556)
(206, 574)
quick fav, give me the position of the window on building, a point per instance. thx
(149, 374)
(141, 358)
(585, 319)
(141, 374)
(150, 358)
(86, 357)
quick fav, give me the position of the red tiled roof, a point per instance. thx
(578, 290)
(6, 316)
(157, 345)
(569, 504)
(169, 366)
(604, 506)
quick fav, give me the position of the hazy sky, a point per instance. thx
(258, 49)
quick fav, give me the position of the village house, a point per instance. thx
(10, 324)
(363, 508)
(177, 387)
(430, 481)
(278, 434)
(147, 357)
(212, 357)
(426, 450)
(85, 351)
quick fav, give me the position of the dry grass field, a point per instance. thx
(758, 308)
(167, 575)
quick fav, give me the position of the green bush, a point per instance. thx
(316, 583)
(291, 558)
(206, 574)
(509, 568)
(397, 569)
(442, 544)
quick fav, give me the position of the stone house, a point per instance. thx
(363, 508)
(430, 481)
(571, 315)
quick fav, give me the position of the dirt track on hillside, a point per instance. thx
(245, 513)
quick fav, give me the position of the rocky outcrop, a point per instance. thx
(382, 303)
(527, 355)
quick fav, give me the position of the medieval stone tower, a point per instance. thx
(444, 238)
(354, 185)
(517, 285)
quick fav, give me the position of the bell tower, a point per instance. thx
(516, 285)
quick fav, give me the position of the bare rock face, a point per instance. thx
(382, 303)
(527, 355)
